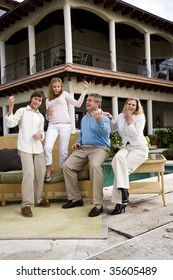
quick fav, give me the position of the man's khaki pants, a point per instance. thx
(93, 155)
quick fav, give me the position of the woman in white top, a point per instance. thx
(59, 121)
(134, 151)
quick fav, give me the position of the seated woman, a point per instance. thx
(134, 151)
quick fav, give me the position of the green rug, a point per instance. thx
(51, 223)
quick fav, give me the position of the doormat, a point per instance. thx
(52, 223)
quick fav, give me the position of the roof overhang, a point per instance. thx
(97, 76)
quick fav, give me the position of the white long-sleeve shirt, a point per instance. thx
(59, 107)
(29, 122)
(133, 133)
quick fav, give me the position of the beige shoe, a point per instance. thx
(26, 212)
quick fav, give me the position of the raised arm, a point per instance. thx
(78, 103)
(11, 120)
(11, 101)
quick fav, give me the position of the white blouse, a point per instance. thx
(133, 133)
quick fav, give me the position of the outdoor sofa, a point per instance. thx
(11, 173)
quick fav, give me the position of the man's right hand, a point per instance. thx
(76, 145)
(11, 100)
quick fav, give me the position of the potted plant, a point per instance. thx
(153, 139)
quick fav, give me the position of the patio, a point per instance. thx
(140, 233)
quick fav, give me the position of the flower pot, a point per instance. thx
(153, 142)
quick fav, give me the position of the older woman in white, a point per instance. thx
(134, 151)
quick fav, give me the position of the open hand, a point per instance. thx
(97, 115)
(86, 84)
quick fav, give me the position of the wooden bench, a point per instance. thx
(155, 163)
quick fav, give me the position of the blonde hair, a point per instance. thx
(139, 109)
(51, 93)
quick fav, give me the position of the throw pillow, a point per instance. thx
(10, 160)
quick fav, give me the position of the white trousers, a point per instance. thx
(53, 131)
(126, 160)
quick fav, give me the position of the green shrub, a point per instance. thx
(168, 154)
(116, 143)
(164, 138)
(148, 141)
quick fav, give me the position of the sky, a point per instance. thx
(161, 8)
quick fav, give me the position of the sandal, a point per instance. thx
(47, 179)
(43, 203)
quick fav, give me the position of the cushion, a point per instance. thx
(58, 177)
(11, 177)
(1, 173)
(15, 177)
(10, 160)
(83, 175)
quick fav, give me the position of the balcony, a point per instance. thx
(82, 55)
(87, 56)
(16, 70)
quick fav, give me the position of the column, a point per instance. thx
(115, 107)
(3, 61)
(31, 38)
(112, 40)
(4, 113)
(71, 108)
(68, 33)
(148, 54)
(149, 116)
